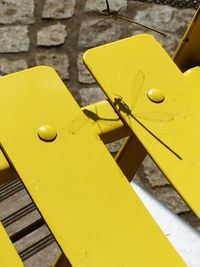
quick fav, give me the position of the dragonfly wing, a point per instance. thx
(159, 116)
(137, 88)
(122, 10)
(100, 21)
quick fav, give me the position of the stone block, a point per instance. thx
(60, 9)
(10, 66)
(20, 11)
(171, 199)
(153, 174)
(14, 39)
(51, 35)
(165, 18)
(91, 95)
(114, 147)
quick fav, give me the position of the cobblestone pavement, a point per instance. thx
(57, 33)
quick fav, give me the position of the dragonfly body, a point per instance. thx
(109, 12)
(121, 106)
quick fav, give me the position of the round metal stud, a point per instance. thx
(47, 133)
(156, 95)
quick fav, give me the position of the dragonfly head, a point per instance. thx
(105, 12)
(109, 12)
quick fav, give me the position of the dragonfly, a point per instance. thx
(159, 116)
(119, 105)
(109, 13)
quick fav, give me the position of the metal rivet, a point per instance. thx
(156, 95)
(47, 133)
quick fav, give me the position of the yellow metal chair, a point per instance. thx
(58, 151)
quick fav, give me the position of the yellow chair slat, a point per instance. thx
(8, 254)
(127, 71)
(89, 206)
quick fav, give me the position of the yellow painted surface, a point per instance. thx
(88, 204)
(126, 70)
(8, 254)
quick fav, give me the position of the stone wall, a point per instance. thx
(57, 33)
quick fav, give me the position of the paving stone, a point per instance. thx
(58, 61)
(91, 95)
(99, 5)
(60, 9)
(14, 39)
(52, 35)
(153, 174)
(10, 66)
(115, 146)
(182, 18)
(84, 75)
(170, 198)
(164, 17)
(191, 218)
(20, 11)
(92, 33)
